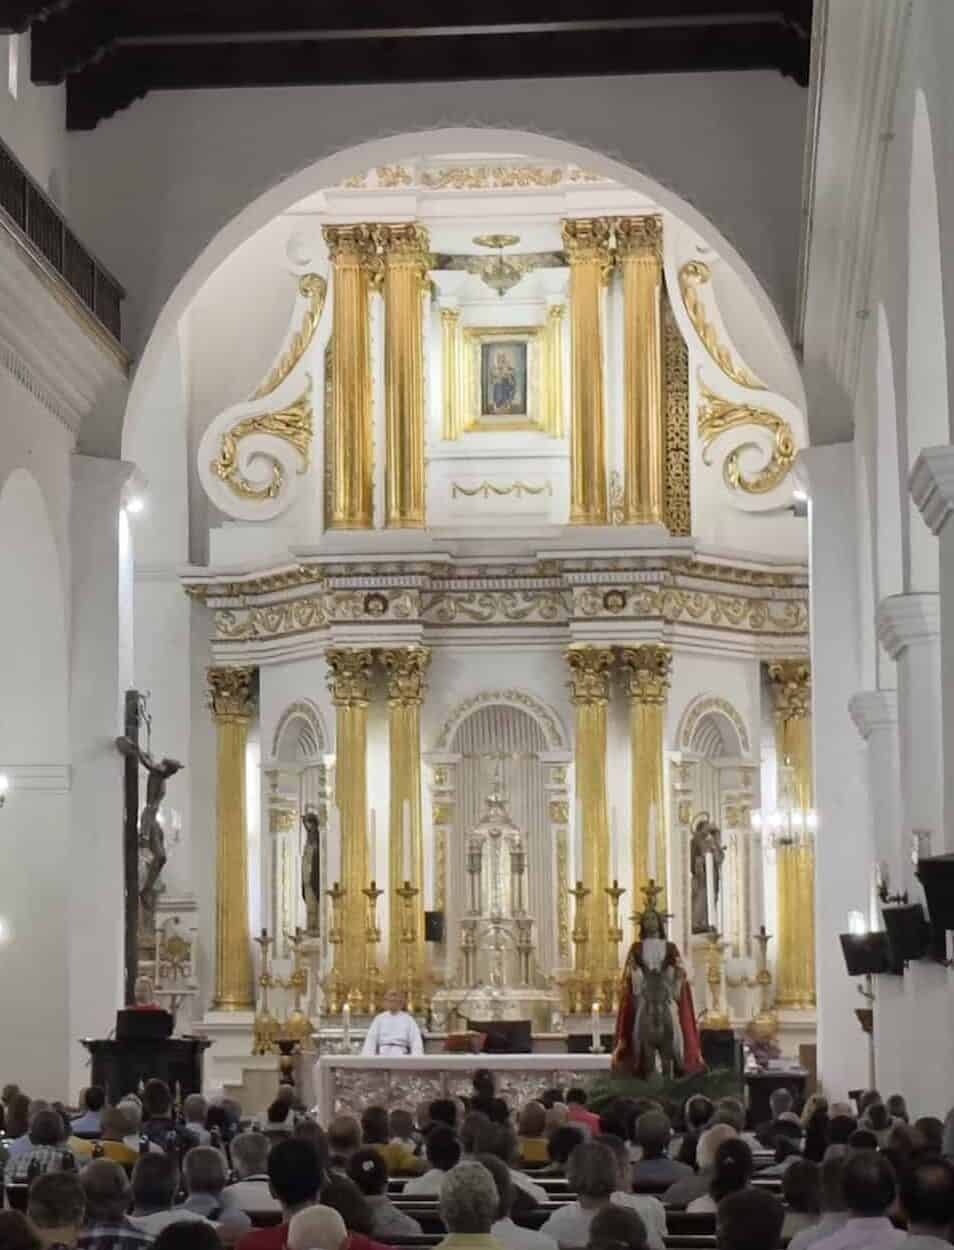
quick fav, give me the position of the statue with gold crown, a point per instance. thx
(656, 1027)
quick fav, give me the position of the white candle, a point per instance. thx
(595, 1018)
(406, 821)
(614, 844)
(710, 890)
(652, 841)
(346, 1025)
(578, 842)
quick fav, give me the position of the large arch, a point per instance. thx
(391, 150)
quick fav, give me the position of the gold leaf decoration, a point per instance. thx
(676, 379)
(313, 288)
(292, 424)
(486, 489)
(717, 416)
(693, 275)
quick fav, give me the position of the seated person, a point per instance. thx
(442, 1150)
(194, 1111)
(652, 1133)
(927, 1201)
(344, 1138)
(47, 1151)
(205, 1174)
(749, 1219)
(504, 1230)
(469, 1206)
(577, 1112)
(503, 1143)
(932, 1134)
(398, 1158)
(840, 1128)
(732, 1171)
(834, 1214)
(617, 1228)
(106, 1226)
(345, 1197)
(368, 1171)
(155, 1181)
(560, 1145)
(593, 1174)
(649, 1209)
(697, 1113)
(801, 1190)
(401, 1130)
(112, 1143)
(531, 1129)
(251, 1190)
(477, 1134)
(294, 1176)
(317, 1228)
(89, 1122)
(786, 1152)
(157, 1112)
(394, 1031)
(780, 1103)
(188, 1235)
(691, 1187)
(443, 1111)
(19, 1113)
(56, 1208)
(868, 1183)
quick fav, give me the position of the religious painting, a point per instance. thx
(502, 379)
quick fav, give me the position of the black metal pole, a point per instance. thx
(133, 704)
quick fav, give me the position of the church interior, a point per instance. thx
(463, 493)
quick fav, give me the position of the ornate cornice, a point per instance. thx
(791, 682)
(349, 675)
(231, 694)
(589, 674)
(646, 673)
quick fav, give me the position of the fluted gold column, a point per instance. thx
(405, 275)
(795, 861)
(553, 371)
(232, 703)
(587, 245)
(639, 252)
(407, 671)
(349, 680)
(353, 255)
(453, 374)
(589, 692)
(646, 676)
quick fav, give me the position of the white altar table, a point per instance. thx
(349, 1083)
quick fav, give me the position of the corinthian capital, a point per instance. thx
(231, 693)
(587, 240)
(349, 675)
(407, 240)
(355, 244)
(639, 236)
(792, 686)
(407, 673)
(646, 672)
(589, 673)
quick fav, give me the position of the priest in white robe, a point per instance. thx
(393, 1031)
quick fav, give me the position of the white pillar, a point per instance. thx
(100, 651)
(843, 852)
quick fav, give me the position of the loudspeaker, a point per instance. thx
(721, 1049)
(909, 933)
(868, 953)
(433, 926)
(936, 874)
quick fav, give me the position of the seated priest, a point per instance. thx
(393, 1031)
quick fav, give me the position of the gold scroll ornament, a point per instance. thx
(693, 275)
(717, 416)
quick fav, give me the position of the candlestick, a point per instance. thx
(346, 1026)
(595, 1019)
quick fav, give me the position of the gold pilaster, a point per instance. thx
(405, 249)
(553, 371)
(349, 680)
(791, 682)
(232, 702)
(589, 692)
(407, 671)
(639, 251)
(587, 244)
(646, 672)
(353, 255)
(453, 374)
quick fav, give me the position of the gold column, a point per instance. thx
(407, 671)
(405, 276)
(589, 692)
(795, 861)
(349, 680)
(587, 244)
(232, 702)
(646, 674)
(553, 371)
(639, 249)
(453, 373)
(353, 254)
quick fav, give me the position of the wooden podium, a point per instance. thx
(120, 1066)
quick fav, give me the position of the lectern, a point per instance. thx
(120, 1065)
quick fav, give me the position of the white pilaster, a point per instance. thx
(843, 849)
(99, 653)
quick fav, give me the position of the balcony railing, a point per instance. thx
(42, 227)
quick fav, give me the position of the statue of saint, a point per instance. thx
(311, 871)
(656, 1025)
(705, 840)
(152, 842)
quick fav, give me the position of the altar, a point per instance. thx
(349, 1083)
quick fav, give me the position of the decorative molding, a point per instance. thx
(45, 778)
(305, 710)
(292, 425)
(486, 607)
(872, 710)
(672, 605)
(313, 288)
(711, 705)
(474, 177)
(546, 717)
(486, 489)
(718, 416)
(694, 275)
(15, 365)
(907, 620)
(931, 484)
(678, 459)
(791, 682)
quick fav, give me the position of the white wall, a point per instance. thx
(33, 124)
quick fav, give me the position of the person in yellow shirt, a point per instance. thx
(531, 1140)
(111, 1145)
(399, 1158)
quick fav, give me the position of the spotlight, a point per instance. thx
(135, 505)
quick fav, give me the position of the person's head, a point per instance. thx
(801, 1186)
(443, 1148)
(866, 1098)
(46, 1128)
(927, 1197)
(620, 1152)
(443, 1111)
(155, 1179)
(17, 1119)
(749, 1219)
(347, 1199)
(317, 1228)
(562, 1142)
(840, 1128)
(869, 1183)
(9, 1092)
(557, 1116)
(876, 1117)
(156, 1099)
(469, 1200)
(617, 1228)
(551, 1096)
(188, 1235)
(195, 1109)
(94, 1098)
(506, 1190)
(576, 1097)
(652, 1132)
(204, 1171)
(814, 1103)
(311, 1131)
(862, 1139)
(484, 1084)
(897, 1107)
(277, 1116)
(368, 1171)
(592, 1171)
(394, 1001)
(422, 1116)
(17, 1233)
(115, 1124)
(613, 1124)
(286, 1094)
(250, 1154)
(780, 1100)
(709, 1143)
(698, 1112)
(502, 1142)
(932, 1133)
(57, 1207)
(401, 1124)
(727, 1115)
(294, 1173)
(533, 1120)
(374, 1126)
(344, 1135)
(132, 1110)
(833, 1179)
(107, 1191)
(732, 1168)
(142, 992)
(476, 1133)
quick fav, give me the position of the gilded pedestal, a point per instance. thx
(232, 703)
(646, 672)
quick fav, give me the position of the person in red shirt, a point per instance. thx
(295, 1173)
(577, 1112)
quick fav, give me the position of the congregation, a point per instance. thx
(473, 1174)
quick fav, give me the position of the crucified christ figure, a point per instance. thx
(152, 843)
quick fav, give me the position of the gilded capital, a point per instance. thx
(407, 241)
(587, 241)
(589, 674)
(349, 675)
(353, 245)
(639, 236)
(231, 693)
(407, 675)
(646, 672)
(792, 686)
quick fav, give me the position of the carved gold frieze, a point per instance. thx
(313, 288)
(485, 607)
(676, 383)
(673, 605)
(486, 489)
(718, 416)
(791, 682)
(559, 811)
(292, 425)
(231, 692)
(694, 275)
(495, 177)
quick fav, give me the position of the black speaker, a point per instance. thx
(909, 933)
(721, 1049)
(868, 953)
(936, 874)
(433, 926)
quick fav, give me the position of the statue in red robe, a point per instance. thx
(656, 1027)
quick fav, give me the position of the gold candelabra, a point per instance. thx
(764, 1024)
(335, 986)
(407, 893)
(716, 1016)
(265, 1026)
(579, 983)
(372, 936)
(614, 935)
(294, 1032)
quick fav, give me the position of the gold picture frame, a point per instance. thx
(502, 368)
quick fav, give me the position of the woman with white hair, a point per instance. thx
(593, 1171)
(691, 1187)
(317, 1228)
(468, 1206)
